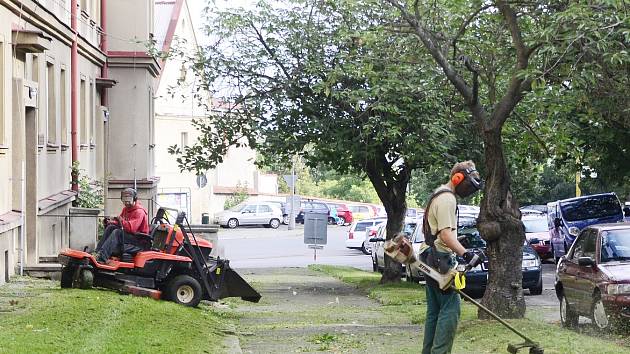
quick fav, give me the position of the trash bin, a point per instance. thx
(205, 218)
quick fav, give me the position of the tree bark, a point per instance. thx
(499, 224)
(392, 191)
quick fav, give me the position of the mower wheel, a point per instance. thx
(184, 290)
(67, 273)
(232, 223)
(274, 223)
(86, 279)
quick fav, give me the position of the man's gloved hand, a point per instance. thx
(473, 259)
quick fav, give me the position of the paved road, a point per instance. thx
(249, 247)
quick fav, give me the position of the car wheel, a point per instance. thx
(341, 221)
(537, 290)
(184, 290)
(274, 223)
(285, 219)
(232, 223)
(568, 317)
(598, 314)
(365, 248)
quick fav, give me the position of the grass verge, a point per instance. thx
(473, 335)
(36, 316)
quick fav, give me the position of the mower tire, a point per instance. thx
(86, 279)
(184, 290)
(67, 275)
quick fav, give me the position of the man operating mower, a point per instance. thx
(119, 235)
(440, 232)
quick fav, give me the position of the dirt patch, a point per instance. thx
(306, 311)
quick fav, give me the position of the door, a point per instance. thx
(264, 214)
(248, 215)
(568, 270)
(584, 278)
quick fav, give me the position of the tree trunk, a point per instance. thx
(393, 193)
(500, 225)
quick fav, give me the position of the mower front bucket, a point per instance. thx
(229, 284)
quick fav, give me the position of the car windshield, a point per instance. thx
(536, 225)
(616, 246)
(590, 208)
(409, 228)
(238, 207)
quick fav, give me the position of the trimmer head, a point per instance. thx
(533, 348)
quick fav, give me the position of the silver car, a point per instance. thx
(250, 213)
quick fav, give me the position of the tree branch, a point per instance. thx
(269, 50)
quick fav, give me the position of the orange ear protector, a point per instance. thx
(457, 178)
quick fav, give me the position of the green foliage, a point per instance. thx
(91, 193)
(240, 195)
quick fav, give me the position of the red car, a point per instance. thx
(593, 278)
(342, 212)
(537, 234)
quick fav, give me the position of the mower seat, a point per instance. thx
(153, 229)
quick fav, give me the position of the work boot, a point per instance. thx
(99, 257)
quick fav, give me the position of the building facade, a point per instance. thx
(176, 108)
(76, 87)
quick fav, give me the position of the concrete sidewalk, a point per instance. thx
(306, 311)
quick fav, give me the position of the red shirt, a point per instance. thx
(135, 219)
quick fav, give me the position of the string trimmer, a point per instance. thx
(400, 249)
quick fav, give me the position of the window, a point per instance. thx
(41, 118)
(249, 209)
(82, 114)
(52, 103)
(64, 107)
(589, 244)
(91, 115)
(264, 209)
(578, 248)
(184, 139)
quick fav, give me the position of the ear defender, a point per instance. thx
(457, 178)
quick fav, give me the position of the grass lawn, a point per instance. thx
(479, 336)
(36, 316)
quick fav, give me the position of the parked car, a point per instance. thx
(378, 251)
(307, 206)
(537, 234)
(360, 211)
(468, 209)
(593, 278)
(283, 207)
(356, 234)
(566, 218)
(477, 278)
(343, 212)
(250, 213)
(537, 207)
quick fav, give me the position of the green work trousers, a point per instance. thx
(441, 321)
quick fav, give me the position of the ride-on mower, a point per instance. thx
(177, 267)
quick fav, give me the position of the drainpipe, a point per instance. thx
(74, 67)
(104, 69)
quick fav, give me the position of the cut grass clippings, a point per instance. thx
(36, 316)
(473, 335)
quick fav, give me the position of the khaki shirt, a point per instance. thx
(442, 215)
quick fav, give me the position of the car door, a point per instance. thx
(568, 269)
(584, 278)
(380, 250)
(263, 214)
(248, 215)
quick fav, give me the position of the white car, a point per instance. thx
(378, 252)
(250, 213)
(357, 234)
